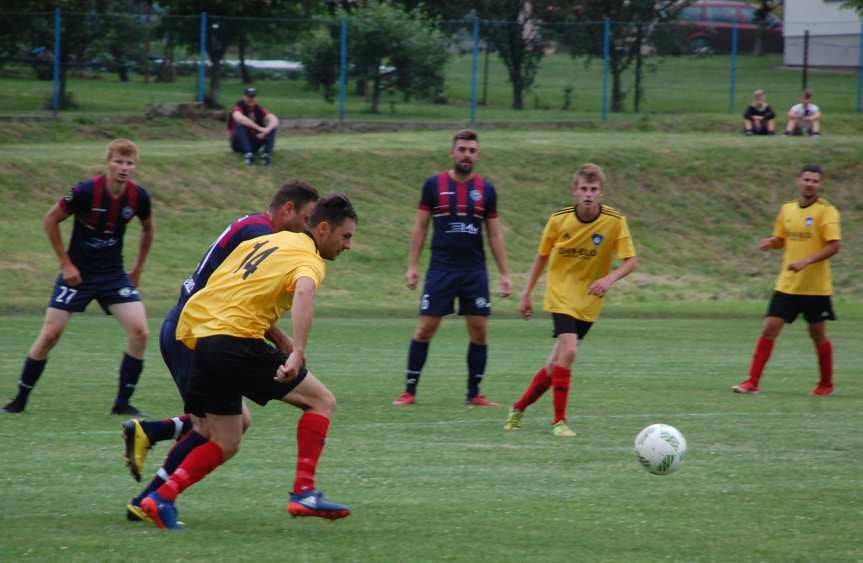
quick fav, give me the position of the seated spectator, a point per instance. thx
(804, 117)
(251, 128)
(758, 118)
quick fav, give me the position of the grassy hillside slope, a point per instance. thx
(697, 205)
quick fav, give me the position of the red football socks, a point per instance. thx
(759, 359)
(560, 378)
(540, 384)
(825, 362)
(311, 434)
(197, 465)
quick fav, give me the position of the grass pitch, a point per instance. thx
(772, 477)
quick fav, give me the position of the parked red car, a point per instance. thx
(709, 23)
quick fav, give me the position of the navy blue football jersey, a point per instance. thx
(458, 211)
(96, 245)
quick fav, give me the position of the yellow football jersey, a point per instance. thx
(579, 254)
(806, 230)
(251, 289)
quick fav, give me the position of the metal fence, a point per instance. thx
(485, 70)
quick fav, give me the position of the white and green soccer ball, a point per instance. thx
(660, 449)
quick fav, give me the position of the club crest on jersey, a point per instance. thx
(127, 213)
(597, 238)
(475, 195)
(809, 221)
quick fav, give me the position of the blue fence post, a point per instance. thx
(474, 70)
(343, 66)
(606, 53)
(55, 74)
(860, 74)
(202, 58)
(732, 82)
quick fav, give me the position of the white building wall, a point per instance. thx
(834, 33)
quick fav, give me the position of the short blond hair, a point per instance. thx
(590, 173)
(122, 147)
(757, 93)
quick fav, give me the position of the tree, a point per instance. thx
(635, 25)
(511, 28)
(392, 49)
(856, 5)
(126, 36)
(227, 24)
(81, 21)
(517, 39)
(762, 18)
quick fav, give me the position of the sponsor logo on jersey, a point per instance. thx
(582, 253)
(101, 243)
(597, 239)
(462, 228)
(189, 285)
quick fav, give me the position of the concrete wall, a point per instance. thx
(834, 33)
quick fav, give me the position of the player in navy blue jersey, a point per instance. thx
(460, 203)
(92, 268)
(289, 210)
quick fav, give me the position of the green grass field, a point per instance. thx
(772, 477)
(673, 85)
(697, 205)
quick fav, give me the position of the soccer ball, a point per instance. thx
(660, 449)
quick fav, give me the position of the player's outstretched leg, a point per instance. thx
(141, 435)
(313, 503)
(540, 383)
(763, 350)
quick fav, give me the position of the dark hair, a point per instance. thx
(465, 135)
(333, 209)
(296, 191)
(811, 168)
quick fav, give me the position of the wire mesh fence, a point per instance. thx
(466, 70)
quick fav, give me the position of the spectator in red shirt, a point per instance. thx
(252, 128)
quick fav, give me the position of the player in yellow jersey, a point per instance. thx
(225, 322)
(808, 230)
(577, 244)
